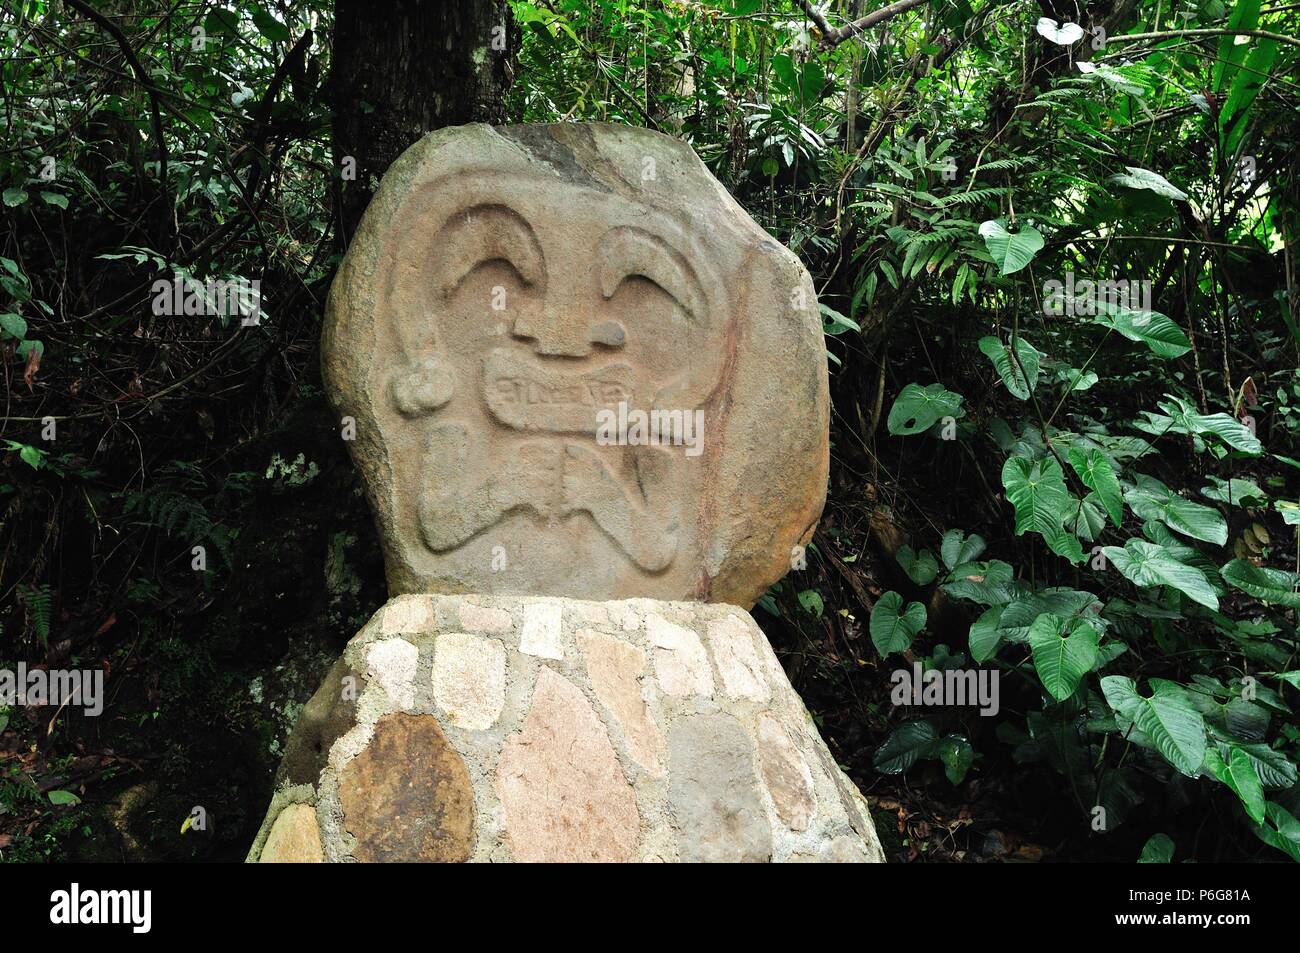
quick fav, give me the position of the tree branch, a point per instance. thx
(109, 27)
(833, 36)
(1209, 31)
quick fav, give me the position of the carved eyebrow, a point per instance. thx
(629, 251)
(486, 233)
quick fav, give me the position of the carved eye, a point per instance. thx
(487, 235)
(634, 255)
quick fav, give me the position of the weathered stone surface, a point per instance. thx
(294, 838)
(476, 618)
(713, 789)
(407, 797)
(391, 663)
(681, 665)
(408, 614)
(738, 663)
(505, 287)
(326, 716)
(563, 794)
(615, 668)
(469, 679)
(786, 774)
(541, 630)
(646, 742)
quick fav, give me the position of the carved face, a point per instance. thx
(526, 314)
(509, 287)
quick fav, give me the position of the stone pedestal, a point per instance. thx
(477, 728)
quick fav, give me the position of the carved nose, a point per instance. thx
(558, 335)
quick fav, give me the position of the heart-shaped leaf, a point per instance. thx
(1064, 651)
(1148, 564)
(893, 627)
(918, 408)
(1011, 251)
(1167, 718)
(1268, 585)
(1152, 500)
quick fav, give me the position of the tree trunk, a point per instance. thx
(402, 68)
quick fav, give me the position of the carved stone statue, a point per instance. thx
(588, 398)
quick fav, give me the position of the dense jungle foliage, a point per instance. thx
(1055, 248)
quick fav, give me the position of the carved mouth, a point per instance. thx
(524, 394)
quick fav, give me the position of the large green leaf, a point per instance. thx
(1181, 417)
(957, 755)
(893, 627)
(1147, 564)
(918, 408)
(1064, 651)
(958, 548)
(1098, 475)
(906, 744)
(1011, 251)
(1136, 178)
(1268, 585)
(985, 636)
(1020, 385)
(1155, 330)
(1238, 773)
(920, 567)
(1167, 718)
(1036, 489)
(1281, 831)
(1152, 500)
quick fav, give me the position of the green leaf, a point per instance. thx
(920, 567)
(1238, 773)
(811, 601)
(1020, 385)
(1011, 251)
(957, 755)
(1036, 489)
(269, 26)
(54, 198)
(13, 325)
(14, 197)
(63, 798)
(1284, 834)
(1152, 500)
(1268, 585)
(985, 637)
(834, 323)
(1147, 564)
(1098, 475)
(917, 409)
(1137, 178)
(988, 583)
(957, 548)
(906, 744)
(1235, 492)
(1064, 651)
(1155, 330)
(1168, 718)
(892, 627)
(1159, 849)
(1183, 418)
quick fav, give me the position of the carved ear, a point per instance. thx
(421, 389)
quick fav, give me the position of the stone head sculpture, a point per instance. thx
(577, 368)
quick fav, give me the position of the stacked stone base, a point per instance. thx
(476, 728)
